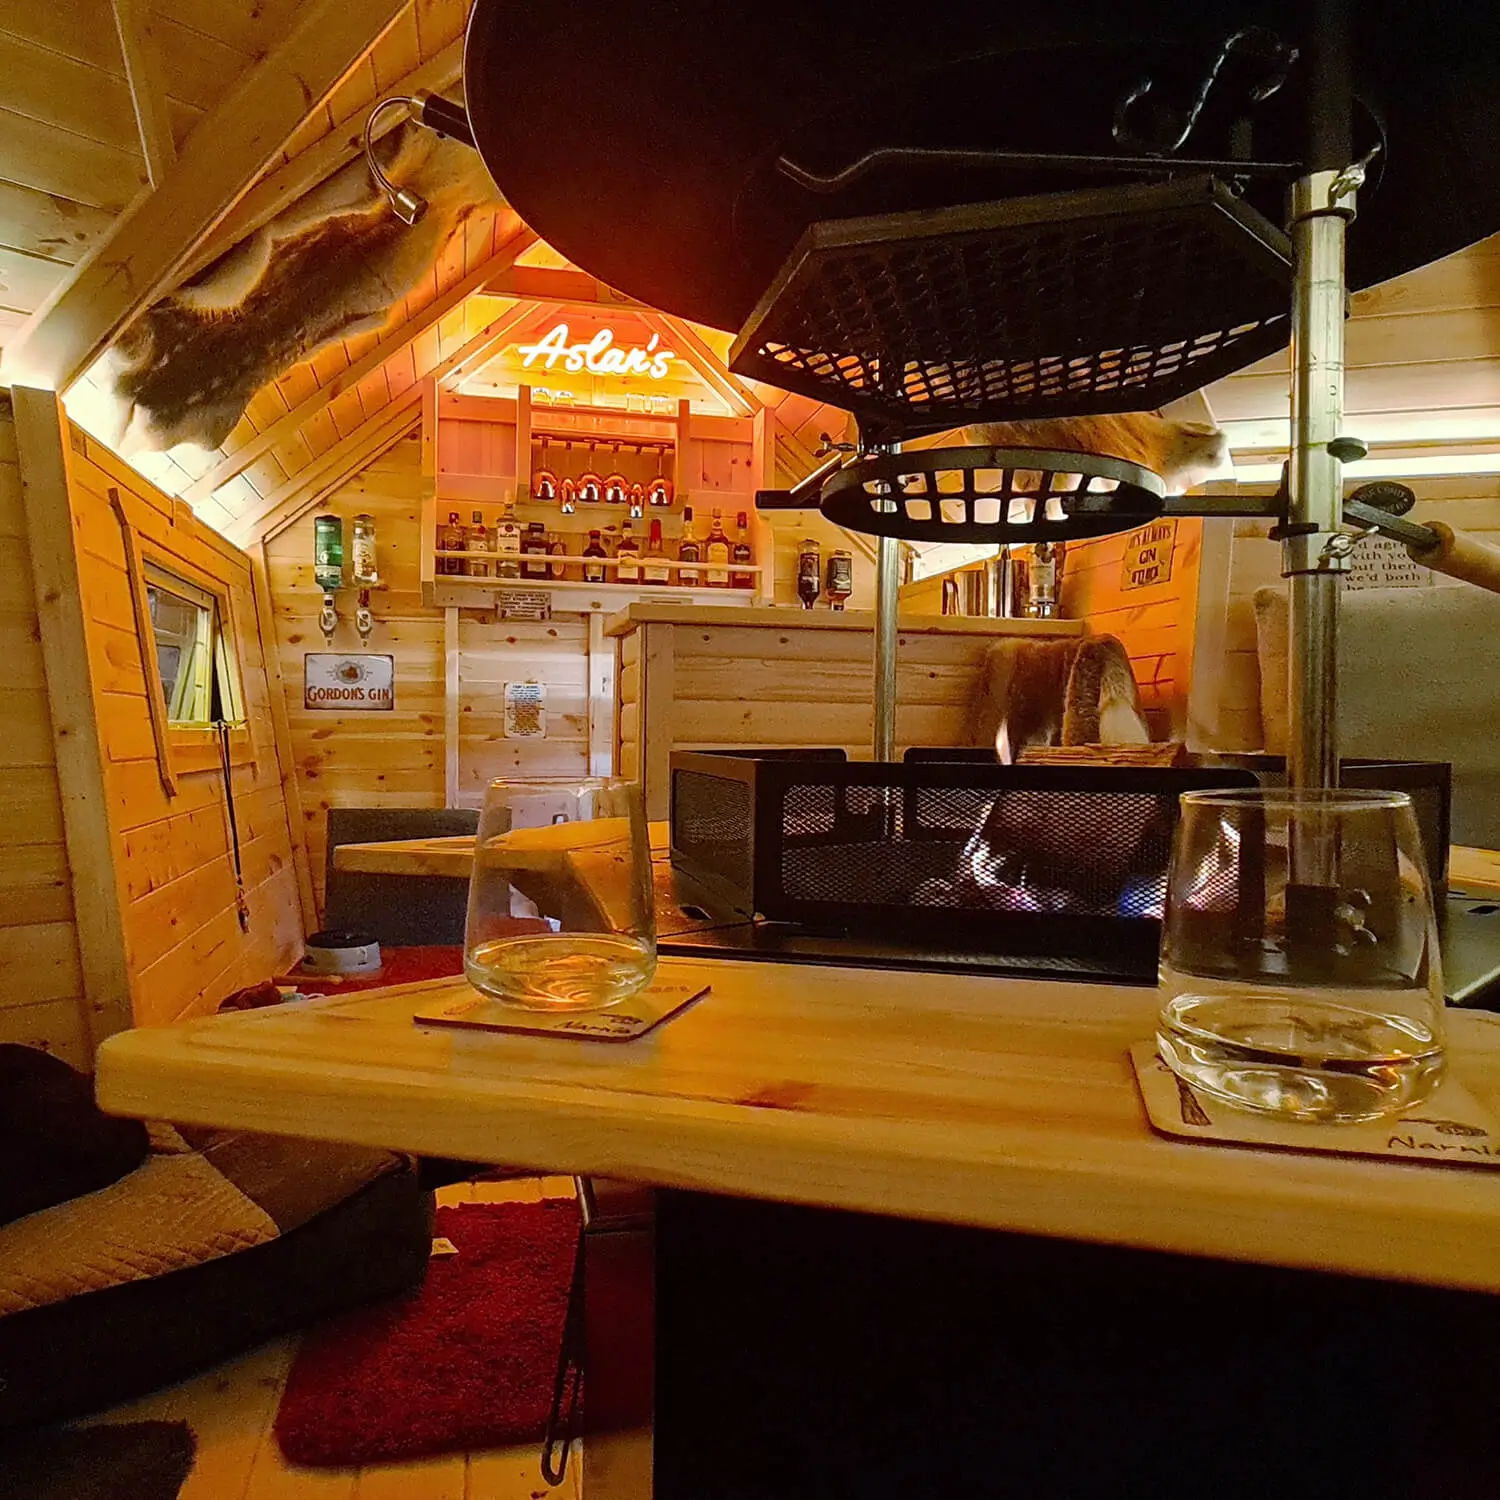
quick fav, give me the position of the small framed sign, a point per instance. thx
(525, 710)
(1381, 562)
(1148, 556)
(338, 683)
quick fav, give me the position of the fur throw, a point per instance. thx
(1182, 453)
(329, 266)
(1069, 692)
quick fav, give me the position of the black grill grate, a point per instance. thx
(712, 825)
(1027, 858)
(1116, 299)
(982, 494)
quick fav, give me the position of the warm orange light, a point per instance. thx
(599, 355)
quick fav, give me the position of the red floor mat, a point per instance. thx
(467, 1361)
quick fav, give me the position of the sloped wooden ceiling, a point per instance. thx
(85, 86)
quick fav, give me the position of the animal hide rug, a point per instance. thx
(329, 266)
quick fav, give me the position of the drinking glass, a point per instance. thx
(560, 908)
(1299, 967)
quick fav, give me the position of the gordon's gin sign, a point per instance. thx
(348, 684)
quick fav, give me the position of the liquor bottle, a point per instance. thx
(328, 552)
(716, 550)
(534, 551)
(689, 550)
(362, 552)
(593, 572)
(629, 554)
(809, 571)
(558, 549)
(742, 553)
(454, 537)
(481, 539)
(840, 577)
(655, 569)
(1042, 578)
(507, 544)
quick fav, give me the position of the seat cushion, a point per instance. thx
(55, 1142)
(215, 1244)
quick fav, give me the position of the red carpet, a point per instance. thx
(467, 1361)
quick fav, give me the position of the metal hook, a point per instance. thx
(1279, 53)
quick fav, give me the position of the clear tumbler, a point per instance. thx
(560, 906)
(1300, 969)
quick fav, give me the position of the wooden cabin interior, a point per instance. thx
(208, 373)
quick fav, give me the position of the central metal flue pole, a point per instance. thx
(887, 597)
(1322, 205)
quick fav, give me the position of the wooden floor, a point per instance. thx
(230, 1409)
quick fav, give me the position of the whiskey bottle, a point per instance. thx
(809, 571)
(655, 568)
(689, 550)
(742, 553)
(629, 554)
(452, 537)
(594, 571)
(716, 550)
(481, 539)
(534, 551)
(558, 549)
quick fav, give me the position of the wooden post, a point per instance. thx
(601, 670)
(98, 901)
(523, 442)
(658, 690)
(450, 707)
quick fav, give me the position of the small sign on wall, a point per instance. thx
(1148, 556)
(340, 683)
(525, 710)
(1381, 562)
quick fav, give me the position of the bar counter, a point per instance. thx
(713, 677)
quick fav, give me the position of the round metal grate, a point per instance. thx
(979, 494)
(1068, 304)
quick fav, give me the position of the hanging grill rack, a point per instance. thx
(988, 494)
(1136, 295)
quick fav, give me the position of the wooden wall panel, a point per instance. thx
(397, 759)
(182, 937)
(1229, 676)
(41, 978)
(1156, 623)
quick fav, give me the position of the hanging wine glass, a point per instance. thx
(543, 480)
(616, 486)
(637, 498)
(659, 491)
(568, 493)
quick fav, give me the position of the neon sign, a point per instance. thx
(600, 356)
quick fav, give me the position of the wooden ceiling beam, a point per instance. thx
(148, 92)
(228, 150)
(391, 344)
(276, 190)
(485, 342)
(709, 367)
(546, 284)
(327, 471)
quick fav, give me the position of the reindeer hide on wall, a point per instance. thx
(329, 266)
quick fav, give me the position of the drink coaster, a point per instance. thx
(624, 1022)
(1450, 1129)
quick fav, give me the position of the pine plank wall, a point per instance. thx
(398, 758)
(183, 941)
(41, 976)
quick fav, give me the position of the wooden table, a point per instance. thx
(998, 1103)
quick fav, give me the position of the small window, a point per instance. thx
(193, 657)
